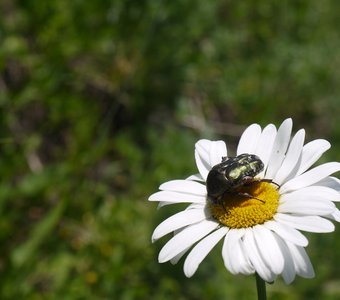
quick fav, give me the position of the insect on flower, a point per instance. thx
(231, 174)
(258, 237)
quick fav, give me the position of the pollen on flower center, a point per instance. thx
(237, 211)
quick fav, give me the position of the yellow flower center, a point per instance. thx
(240, 211)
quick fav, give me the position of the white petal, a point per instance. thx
(254, 255)
(228, 251)
(288, 272)
(331, 182)
(192, 205)
(202, 157)
(161, 204)
(311, 153)
(249, 139)
(306, 223)
(218, 150)
(185, 239)
(302, 262)
(195, 177)
(201, 250)
(265, 145)
(207, 154)
(310, 177)
(287, 233)
(196, 206)
(245, 264)
(269, 249)
(312, 192)
(184, 186)
(279, 148)
(307, 207)
(177, 221)
(335, 215)
(291, 159)
(233, 254)
(203, 149)
(174, 197)
(176, 258)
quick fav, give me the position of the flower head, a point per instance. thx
(260, 217)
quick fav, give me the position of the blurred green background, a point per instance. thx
(102, 101)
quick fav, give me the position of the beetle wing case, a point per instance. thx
(216, 184)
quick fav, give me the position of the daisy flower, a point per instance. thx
(260, 233)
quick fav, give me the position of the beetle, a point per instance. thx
(232, 173)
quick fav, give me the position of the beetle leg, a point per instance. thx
(246, 195)
(261, 180)
(218, 200)
(221, 202)
(269, 181)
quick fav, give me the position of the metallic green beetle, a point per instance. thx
(233, 172)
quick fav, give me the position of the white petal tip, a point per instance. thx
(153, 197)
(288, 120)
(162, 259)
(189, 273)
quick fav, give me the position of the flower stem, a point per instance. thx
(261, 288)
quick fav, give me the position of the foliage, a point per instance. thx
(101, 101)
